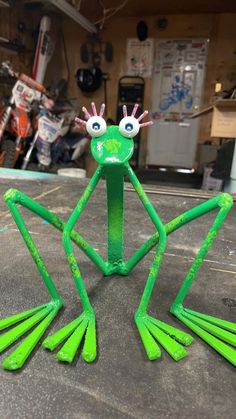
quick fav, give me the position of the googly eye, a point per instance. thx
(129, 126)
(96, 126)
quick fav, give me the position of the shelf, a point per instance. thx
(14, 48)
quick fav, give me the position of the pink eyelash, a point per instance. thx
(125, 111)
(102, 111)
(88, 115)
(135, 108)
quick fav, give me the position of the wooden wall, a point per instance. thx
(9, 18)
(23, 61)
(220, 29)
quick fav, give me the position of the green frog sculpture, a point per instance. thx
(112, 147)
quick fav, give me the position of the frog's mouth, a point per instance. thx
(112, 150)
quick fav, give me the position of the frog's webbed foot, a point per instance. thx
(170, 338)
(219, 334)
(38, 319)
(72, 334)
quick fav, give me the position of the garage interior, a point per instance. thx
(178, 61)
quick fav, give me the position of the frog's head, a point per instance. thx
(112, 144)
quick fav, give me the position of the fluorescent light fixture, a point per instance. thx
(73, 14)
(4, 3)
(185, 170)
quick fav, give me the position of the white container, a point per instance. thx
(71, 172)
(210, 183)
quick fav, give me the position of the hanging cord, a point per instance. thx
(76, 4)
(107, 13)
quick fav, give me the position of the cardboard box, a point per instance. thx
(224, 119)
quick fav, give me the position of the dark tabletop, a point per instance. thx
(122, 383)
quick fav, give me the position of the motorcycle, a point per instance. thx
(48, 131)
(15, 119)
(53, 141)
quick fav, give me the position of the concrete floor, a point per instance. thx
(122, 383)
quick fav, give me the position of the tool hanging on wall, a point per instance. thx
(13, 46)
(142, 30)
(90, 79)
(95, 48)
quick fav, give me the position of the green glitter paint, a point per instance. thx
(112, 146)
(112, 151)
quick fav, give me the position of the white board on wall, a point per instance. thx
(139, 57)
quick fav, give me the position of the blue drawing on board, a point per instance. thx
(180, 92)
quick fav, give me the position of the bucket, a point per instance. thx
(78, 173)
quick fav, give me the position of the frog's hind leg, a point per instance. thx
(38, 318)
(154, 331)
(83, 326)
(218, 333)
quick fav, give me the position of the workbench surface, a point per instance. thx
(122, 383)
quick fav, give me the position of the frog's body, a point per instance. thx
(112, 147)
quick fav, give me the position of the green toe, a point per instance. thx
(231, 327)
(69, 349)
(14, 334)
(216, 332)
(43, 318)
(10, 321)
(53, 341)
(174, 333)
(72, 335)
(154, 332)
(174, 349)
(89, 352)
(152, 349)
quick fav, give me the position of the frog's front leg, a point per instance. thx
(38, 317)
(150, 329)
(218, 333)
(73, 333)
